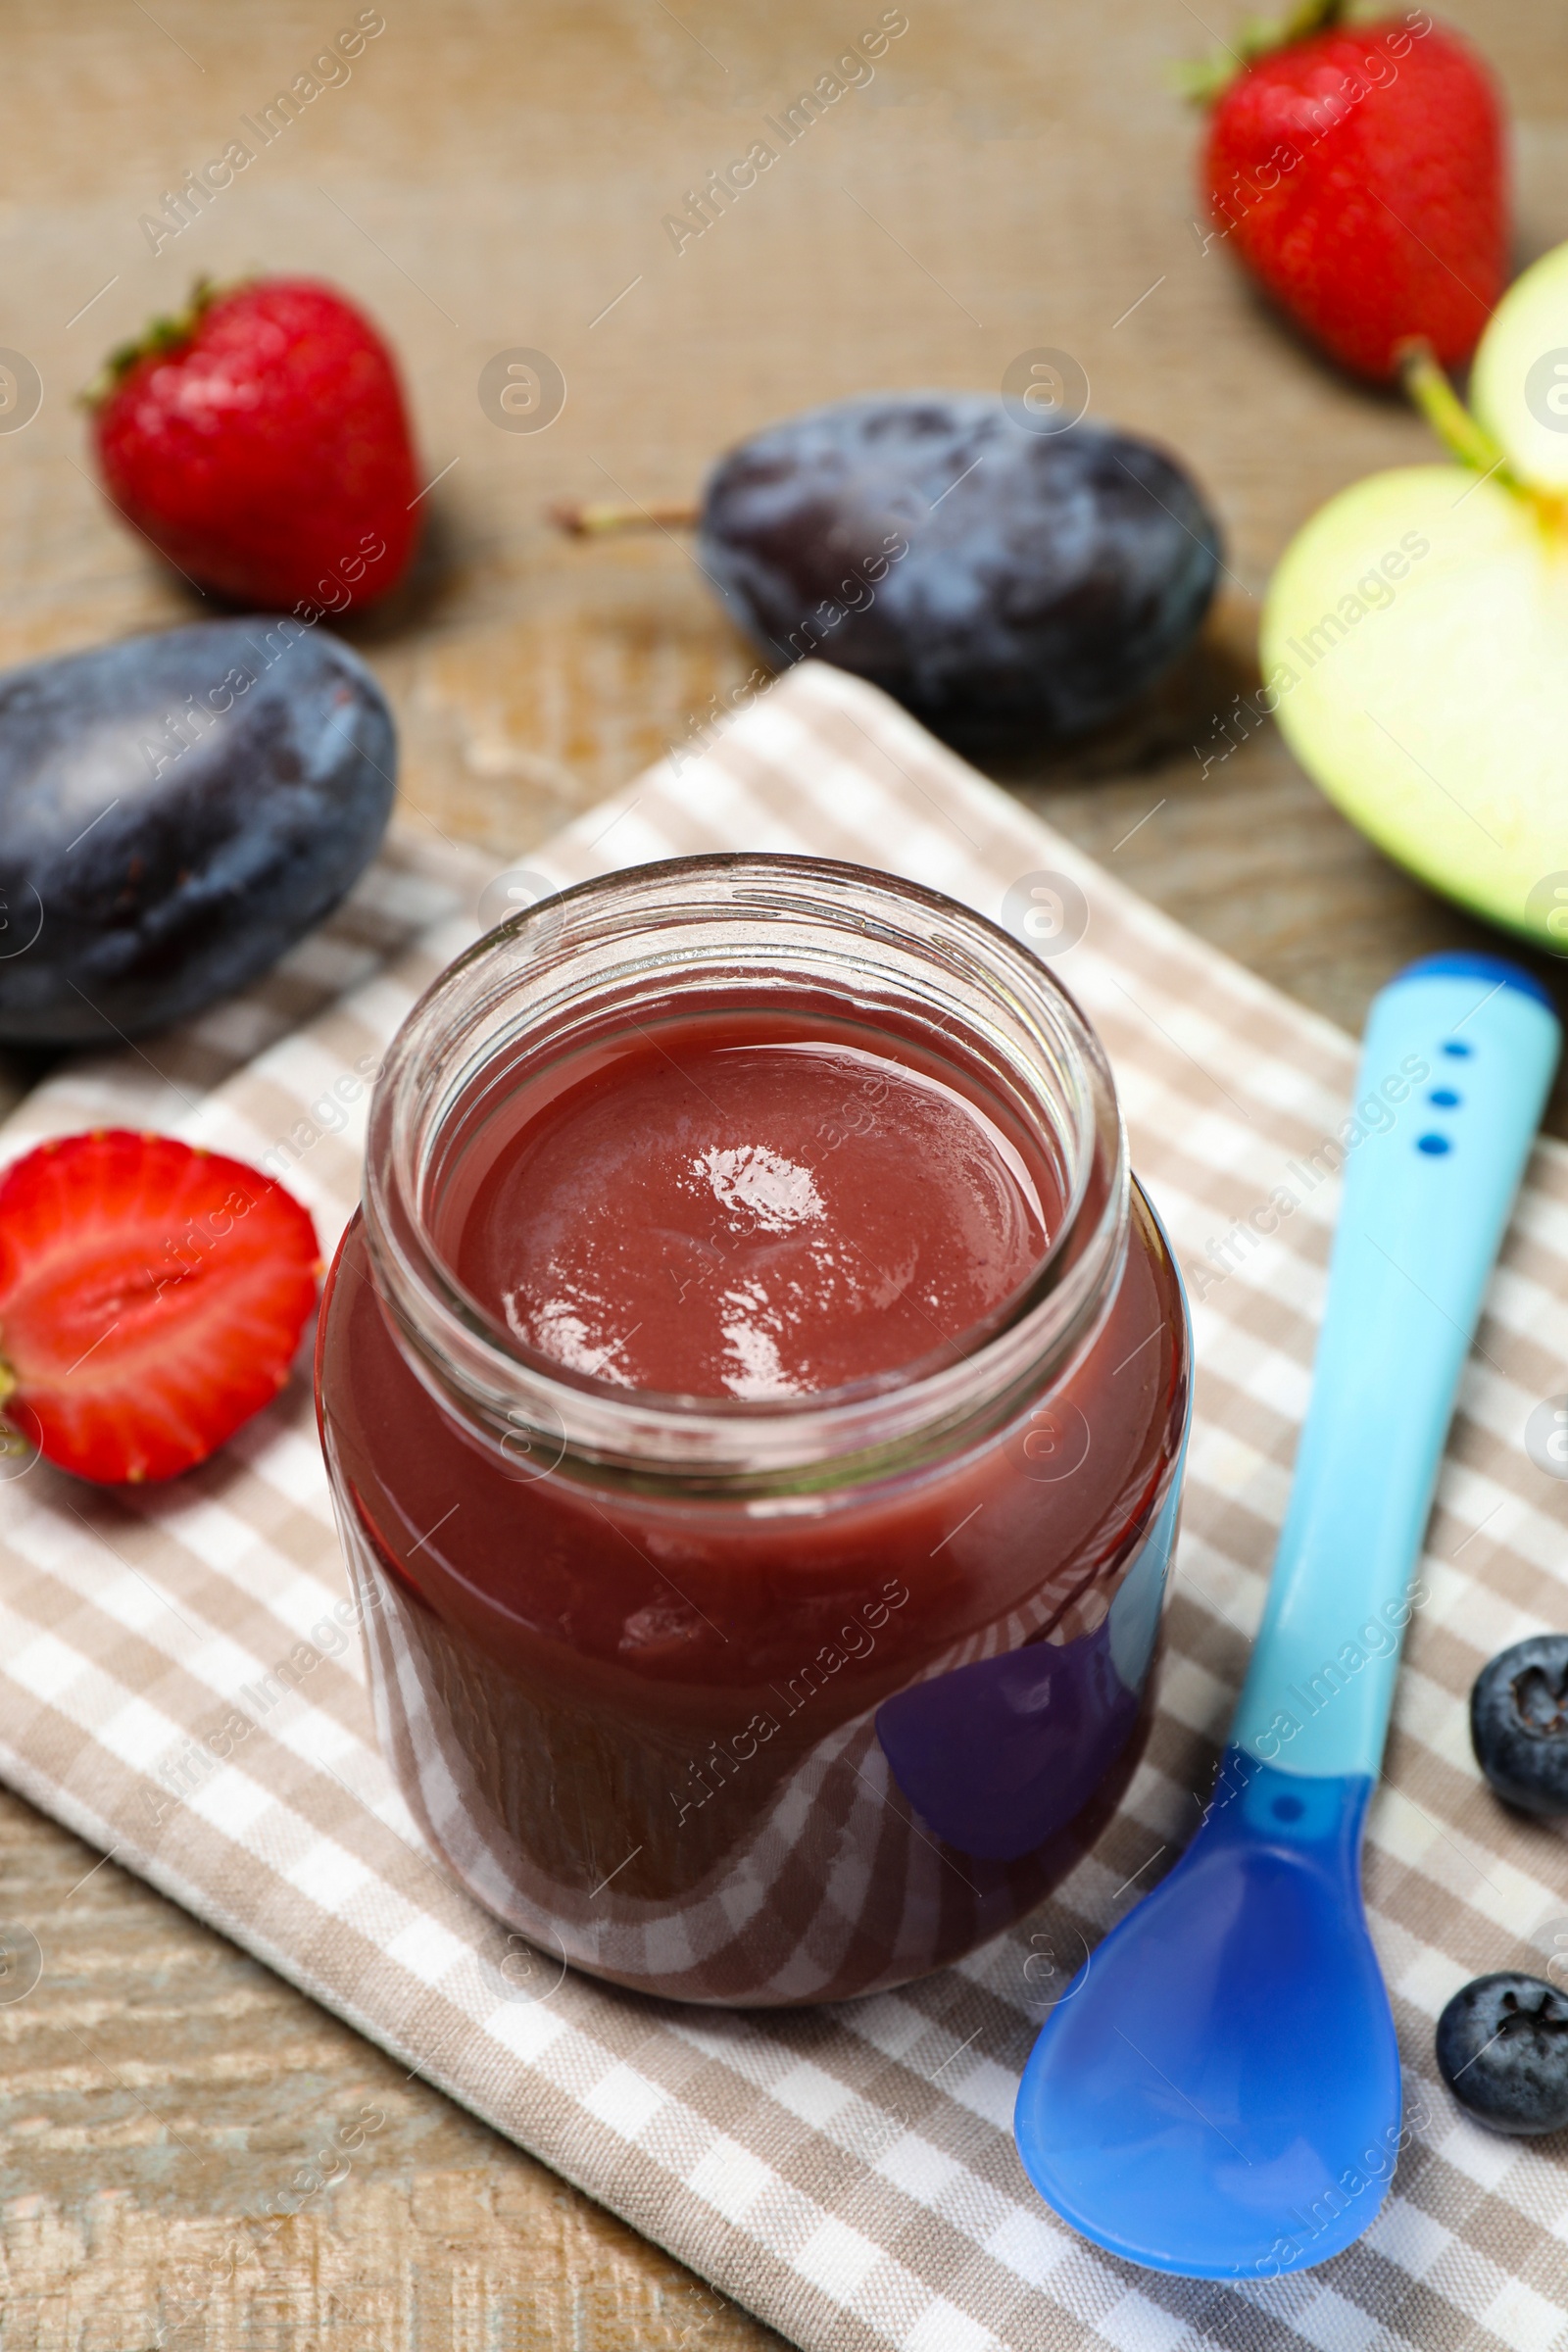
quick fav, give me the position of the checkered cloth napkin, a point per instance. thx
(847, 2174)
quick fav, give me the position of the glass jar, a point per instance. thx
(740, 1701)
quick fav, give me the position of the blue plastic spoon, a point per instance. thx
(1217, 2092)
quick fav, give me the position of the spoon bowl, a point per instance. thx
(1219, 2092)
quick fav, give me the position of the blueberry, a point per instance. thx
(1503, 2050)
(1519, 1723)
(1004, 585)
(175, 811)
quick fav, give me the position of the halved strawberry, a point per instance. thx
(151, 1300)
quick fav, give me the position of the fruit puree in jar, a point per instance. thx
(724, 1208)
(798, 1738)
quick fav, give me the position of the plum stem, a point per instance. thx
(1204, 78)
(582, 518)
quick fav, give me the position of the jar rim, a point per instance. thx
(687, 920)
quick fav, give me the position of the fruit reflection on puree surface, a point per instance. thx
(723, 1208)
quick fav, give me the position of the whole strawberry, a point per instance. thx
(1359, 173)
(261, 442)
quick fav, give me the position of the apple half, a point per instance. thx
(1415, 634)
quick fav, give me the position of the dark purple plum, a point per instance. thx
(175, 811)
(1005, 585)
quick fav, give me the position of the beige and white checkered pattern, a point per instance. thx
(847, 2174)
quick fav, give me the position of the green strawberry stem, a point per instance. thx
(1439, 403)
(158, 335)
(1202, 79)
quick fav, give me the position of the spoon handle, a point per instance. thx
(1455, 1066)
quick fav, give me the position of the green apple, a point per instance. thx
(1519, 383)
(1415, 637)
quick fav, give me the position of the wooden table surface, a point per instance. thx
(492, 176)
